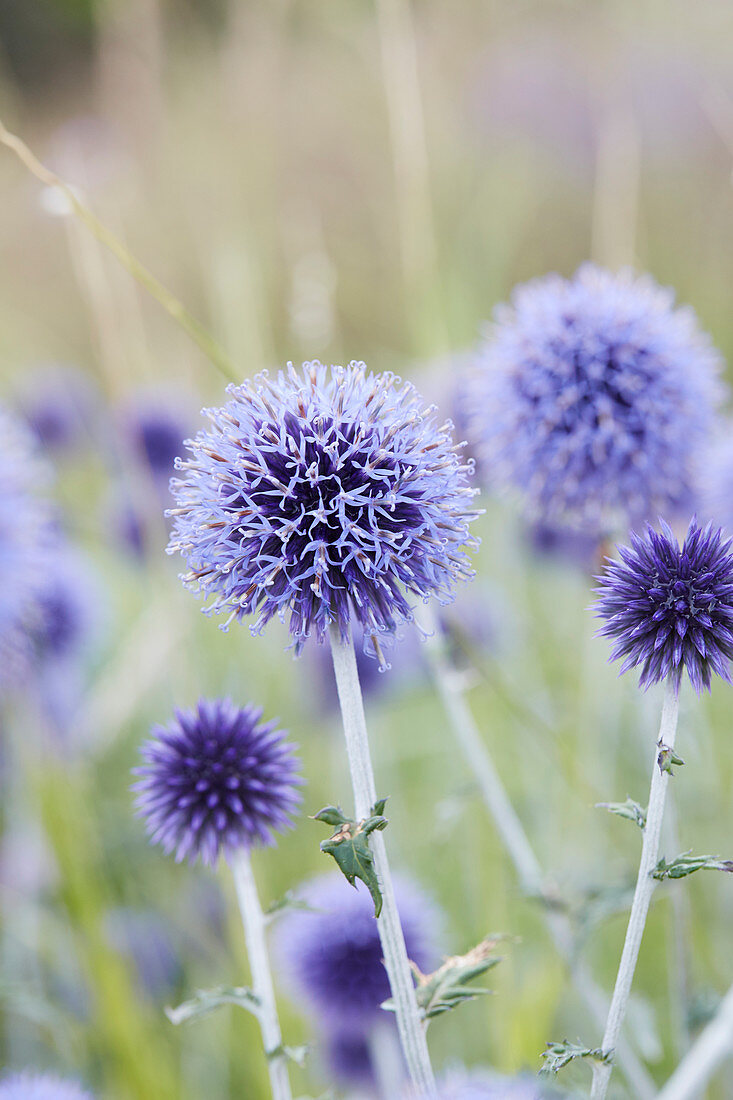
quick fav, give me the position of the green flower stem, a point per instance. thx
(642, 894)
(699, 1064)
(450, 686)
(410, 1026)
(254, 923)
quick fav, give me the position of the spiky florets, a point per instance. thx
(592, 396)
(324, 495)
(216, 780)
(25, 525)
(40, 1086)
(670, 608)
(333, 959)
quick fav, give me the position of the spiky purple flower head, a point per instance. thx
(592, 396)
(332, 958)
(325, 495)
(40, 1086)
(670, 607)
(25, 524)
(216, 779)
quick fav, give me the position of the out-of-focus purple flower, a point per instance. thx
(69, 605)
(144, 938)
(40, 1086)
(60, 405)
(716, 480)
(25, 525)
(670, 608)
(326, 495)
(592, 396)
(485, 1085)
(348, 1059)
(332, 959)
(215, 780)
(564, 544)
(155, 425)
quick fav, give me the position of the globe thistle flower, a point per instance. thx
(670, 608)
(332, 959)
(60, 405)
(68, 605)
(592, 397)
(215, 780)
(326, 495)
(24, 534)
(155, 426)
(40, 1086)
(348, 1058)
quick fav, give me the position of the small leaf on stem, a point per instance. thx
(561, 1054)
(667, 758)
(447, 987)
(687, 864)
(349, 846)
(628, 809)
(208, 1000)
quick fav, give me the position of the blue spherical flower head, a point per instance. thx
(215, 780)
(332, 958)
(40, 1086)
(592, 397)
(325, 495)
(670, 608)
(25, 524)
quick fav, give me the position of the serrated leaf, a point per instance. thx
(628, 809)
(687, 864)
(561, 1054)
(332, 815)
(448, 986)
(667, 758)
(349, 846)
(208, 1000)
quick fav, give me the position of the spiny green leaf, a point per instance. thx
(349, 846)
(687, 864)
(447, 987)
(667, 758)
(561, 1054)
(628, 809)
(208, 1000)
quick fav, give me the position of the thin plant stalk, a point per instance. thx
(704, 1057)
(409, 1024)
(254, 923)
(450, 685)
(642, 894)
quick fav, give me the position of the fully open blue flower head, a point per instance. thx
(40, 1086)
(332, 959)
(25, 524)
(216, 779)
(325, 495)
(592, 396)
(668, 607)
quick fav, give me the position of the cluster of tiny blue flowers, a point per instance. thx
(40, 1086)
(324, 495)
(333, 959)
(215, 780)
(670, 608)
(25, 523)
(592, 396)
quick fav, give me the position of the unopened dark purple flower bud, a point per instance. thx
(215, 780)
(40, 1086)
(324, 496)
(332, 959)
(669, 608)
(592, 397)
